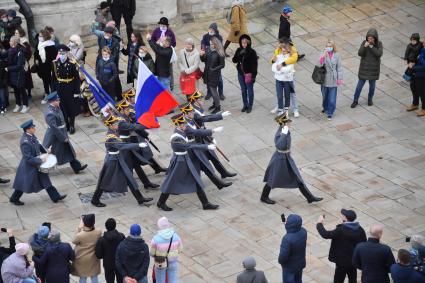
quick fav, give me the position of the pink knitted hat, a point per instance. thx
(163, 223)
(22, 248)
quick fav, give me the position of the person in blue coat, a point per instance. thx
(282, 172)
(403, 272)
(182, 176)
(57, 137)
(293, 250)
(29, 179)
(56, 260)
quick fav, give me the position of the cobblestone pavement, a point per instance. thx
(371, 159)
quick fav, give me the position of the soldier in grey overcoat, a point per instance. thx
(115, 175)
(182, 176)
(29, 179)
(57, 137)
(199, 156)
(199, 119)
(282, 172)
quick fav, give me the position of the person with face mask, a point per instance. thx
(20, 32)
(67, 82)
(76, 48)
(146, 58)
(44, 55)
(107, 73)
(331, 60)
(188, 62)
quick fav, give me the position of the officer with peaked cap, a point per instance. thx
(57, 137)
(29, 179)
(282, 172)
(182, 176)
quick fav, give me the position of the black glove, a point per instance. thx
(236, 33)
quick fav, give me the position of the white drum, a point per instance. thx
(49, 164)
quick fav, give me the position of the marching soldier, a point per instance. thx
(282, 171)
(115, 175)
(57, 137)
(182, 176)
(67, 81)
(199, 119)
(29, 179)
(200, 156)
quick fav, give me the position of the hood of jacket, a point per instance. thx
(249, 263)
(293, 223)
(245, 36)
(113, 236)
(352, 225)
(38, 245)
(374, 33)
(415, 36)
(133, 246)
(166, 233)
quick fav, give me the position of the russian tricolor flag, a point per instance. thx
(152, 99)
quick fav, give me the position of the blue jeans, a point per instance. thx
(292, 277)
(281, 88)
(92, 278)
(359, 87)
(247, 91)
(171, 271)
(166, 82)
(29, 280)
(329, 100)
(144, 280)
(220, 87)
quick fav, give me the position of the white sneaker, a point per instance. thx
(274, 110)
(25, 109)
(16, 109)
(296, 114)
(44, 101)
(279, 112)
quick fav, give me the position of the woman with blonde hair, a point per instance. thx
(214, 62)
(188, 62)
(76, 48)
(331, 60)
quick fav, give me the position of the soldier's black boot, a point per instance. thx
(4, 181)
(15, 198)
(265, 195)
(71, 125)
(161, 202)
(206, 205)
(144, 178)
(155, 166)
(54, 194)
(95, 200)
(76, 166)
(221, 169)
(216, 180)
(139, 197)
(308, 195)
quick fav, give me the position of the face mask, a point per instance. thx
(107, 37)
(161, 44)
(4, 20)
(211, 33)
(62, 57)
(72, 44)
(162, 28)
(106, 58)
(142, 54)
(41, 39)
(329, 49)
(189, 49)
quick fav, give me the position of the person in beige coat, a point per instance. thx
(86, 264)
(237, 23)
(189, 60)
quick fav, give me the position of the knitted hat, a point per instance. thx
(415, 36)
(89, 220)
(135, 230)
(104, 5)
(22, 248)
(287, 9)
(213, 26)
(249, 262)
(55, 236)
(43, 232)
(163, 223)
(11, 13)
(110, 224)
(109, 30)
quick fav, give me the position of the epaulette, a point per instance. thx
(112, 136)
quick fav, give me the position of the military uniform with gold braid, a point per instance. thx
(282, 172)
(115, 175)
(199, 120)
(67, 84)
(182, 176)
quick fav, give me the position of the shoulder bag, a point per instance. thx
(162, 261)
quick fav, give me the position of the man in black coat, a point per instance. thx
(344, 239)
(373, 258)
(5, 252)
(163, 54)
(132, 257)
(125, 9)
(285, 26)
(106, 248)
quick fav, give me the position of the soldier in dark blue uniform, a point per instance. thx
(57, 137)
(200, 157)
(67, 83)
(29, 179)
(182, 176)
(115, 175)
(282, 171)
(199, 119)
(135, 133)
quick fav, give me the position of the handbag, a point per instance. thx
(319, 74)
(162, 261)
(188, 81)
(174, 56)
(248, 78)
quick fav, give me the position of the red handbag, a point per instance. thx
(187, 84)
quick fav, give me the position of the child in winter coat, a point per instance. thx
(412, 53)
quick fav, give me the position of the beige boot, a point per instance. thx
(420, 112)
(412, 108)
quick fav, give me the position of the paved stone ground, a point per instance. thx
(371, 159)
